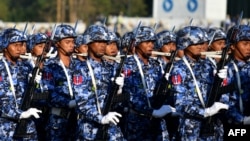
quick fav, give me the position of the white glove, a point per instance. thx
(223, 72)
(167, 76)
(119, 80)
(30, 112)
(215, 108)
(111, 117)
(246, 120)
(164, 110)
(38, 77)
(72, 103)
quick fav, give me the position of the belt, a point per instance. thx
(65, 113)
(137, 113)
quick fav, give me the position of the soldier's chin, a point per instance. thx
(147, 55)
(99, 55)
(15, 57)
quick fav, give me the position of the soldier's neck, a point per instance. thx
(65, 59)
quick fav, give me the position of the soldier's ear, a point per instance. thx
(232, 47)
(57, 44)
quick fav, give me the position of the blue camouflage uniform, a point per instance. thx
(238, 112)
(55, 82)
(140, 123)
(10, 103)
(89, 121)
(90, 118)
(187, 101)
(40, 96)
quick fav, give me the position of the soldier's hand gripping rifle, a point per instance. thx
(215, 94)
(21, 128)
(102, 133)
(217, 90)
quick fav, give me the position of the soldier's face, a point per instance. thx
(168, 47)
(13, 51)
(145, 48)
(241, 50)
(193, 51)
(111, 49)
(38, 49)
(218, 45)
(24, 48)
(66, 46)
(97, 48)
(82, 49)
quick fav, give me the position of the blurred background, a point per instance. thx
(121, 15)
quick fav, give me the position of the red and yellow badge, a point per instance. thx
(47, 76)
(77, 79)
(176, 79)
(1, 79)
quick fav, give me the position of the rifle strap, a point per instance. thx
(142, 78)
(68, 80)
(239, 86)
(11, 81)
(212, 60)
(195, 81)
(94, 85)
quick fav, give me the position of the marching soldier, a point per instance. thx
(238, 115)
(91, 84)
(13, 83)
(36, 47)
(81, 48)
(166, 43)
(192, 78)
(57, 80)
(141, 74)
(126, 40)
(217, 37)
(113, 46)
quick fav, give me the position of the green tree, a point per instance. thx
(4, 13)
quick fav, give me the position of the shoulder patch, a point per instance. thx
(127, 72)
(47, 76)
(176, 79)
(77, 79)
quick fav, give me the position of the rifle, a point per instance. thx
(216, 89)
(21, 128)
(102, 133)
(161, 92)
(214, 94)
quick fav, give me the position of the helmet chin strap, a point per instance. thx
(244, 58)
(65, 52)
(13, 58)
(142, 53)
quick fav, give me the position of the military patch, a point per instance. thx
(1, 79)
(47, 76)
(77, 79)
(176, 79)
(127, 73)
(224, 82)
